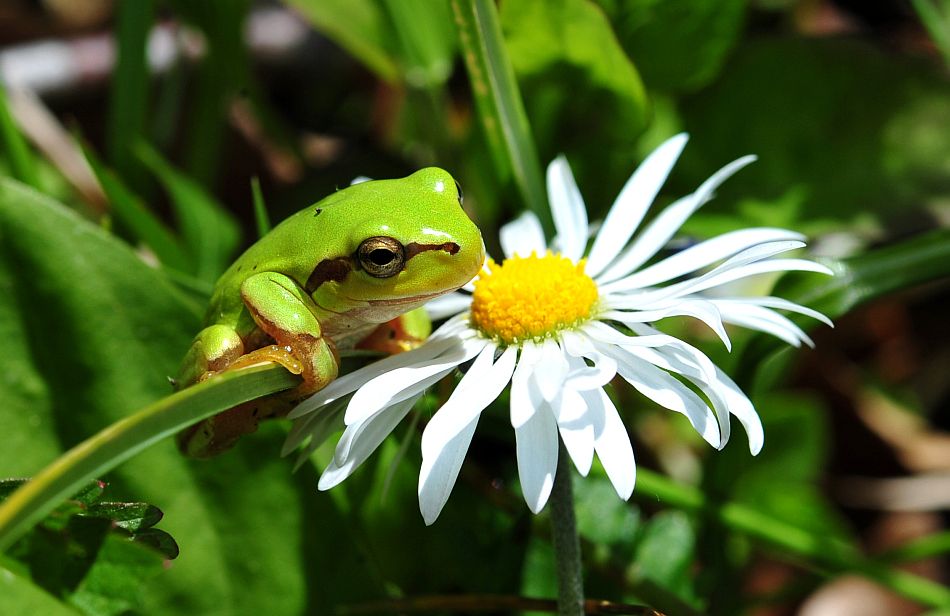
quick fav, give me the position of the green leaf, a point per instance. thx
(91, 334)
(678, 45)
(427, 40)
(583, 94)
(665, 552)
(209, 231)
(18, 595)
(359, 26)
(129, 516)
(499, 103)
(132, 214)
(115, 582)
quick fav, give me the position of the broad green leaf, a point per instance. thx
(359, 26)
(499, 102)
(90, 335)
(134, 216)
(115, 584)
(678, 45)
(18, 595)
(583, 94)
(209, 232)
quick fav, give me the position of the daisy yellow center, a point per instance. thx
(527, 298)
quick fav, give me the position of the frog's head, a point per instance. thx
(406, 241)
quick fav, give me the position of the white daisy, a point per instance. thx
(545, 321)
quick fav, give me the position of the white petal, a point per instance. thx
(309, 425)
(699, 256)
(582, 376)
(449, 433)
(522, 236)
(612, 443)
(372, 433)
(740, 406)
(779, 304)
(576, 430)
(704, 310)
(352, 381)
(633, 202)
(768, 266)
(765, 320)
(668, 222)
(551, 369)
(448, 305)
(525, 396)
(386, 388)
(567, 206)
(668, 392)
(483, 382)
(537, 443)
(438, 474)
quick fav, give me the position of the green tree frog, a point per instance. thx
(334, 276)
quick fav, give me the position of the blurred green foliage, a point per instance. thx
(850, 134)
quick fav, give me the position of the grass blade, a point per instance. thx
(125, 438)
(128, 96)
(260, 208)
(130, 212)
(22, 162)
(210, 233)
(499, 102)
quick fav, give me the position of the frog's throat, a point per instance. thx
(337, 269)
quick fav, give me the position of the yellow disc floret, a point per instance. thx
(531, 298)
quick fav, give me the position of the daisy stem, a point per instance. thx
(567, 550)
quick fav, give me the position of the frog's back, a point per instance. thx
(291, 248)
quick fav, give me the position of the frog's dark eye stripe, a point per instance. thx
(458, 188)
(381, 257)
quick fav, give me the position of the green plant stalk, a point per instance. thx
(937, 544)
(567, 548)
(261, 219)
(22, 162)
(127, 437)
(129, 93)
(818, 552)
(499, 102)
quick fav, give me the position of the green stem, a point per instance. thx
(823, 553)
(126, 437)
(567, 549)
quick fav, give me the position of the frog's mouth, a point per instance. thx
(402, 301)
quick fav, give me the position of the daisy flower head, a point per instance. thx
(557, 326)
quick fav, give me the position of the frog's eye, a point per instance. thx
(458, 188)
(381, 257)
